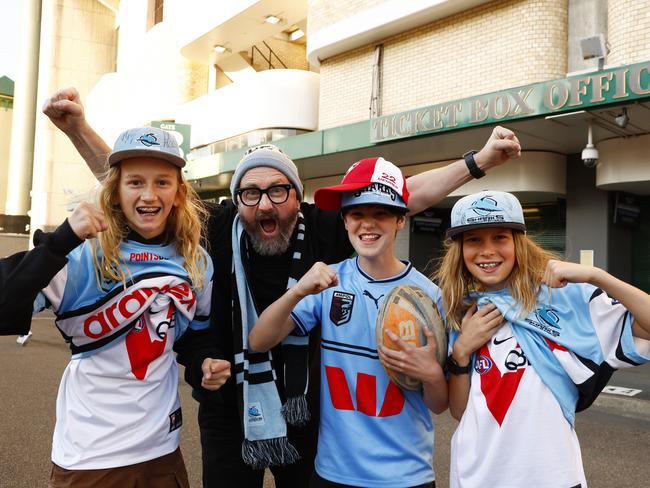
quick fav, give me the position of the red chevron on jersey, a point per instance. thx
(366, 394)
(141, 349)
(499, 389)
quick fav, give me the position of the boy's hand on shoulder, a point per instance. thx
(476, 329)
(320, 277)
(87, 221)
(215, 373)
(559, 273)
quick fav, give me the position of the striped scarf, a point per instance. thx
(263, 416)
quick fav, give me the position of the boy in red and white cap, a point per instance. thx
(371, 432)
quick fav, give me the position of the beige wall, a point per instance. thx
(326, 12)
(78, 45)
(5, 141)
(628, 31)
(499, 45)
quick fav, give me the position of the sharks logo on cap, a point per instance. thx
(485, 206)
(149, 140)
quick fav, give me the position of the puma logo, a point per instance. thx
(376, 300)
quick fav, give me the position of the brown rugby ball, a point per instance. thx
(405, 311)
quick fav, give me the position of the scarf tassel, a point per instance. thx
(263, 453)
(296, 411)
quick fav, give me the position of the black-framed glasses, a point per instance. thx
(251, 196)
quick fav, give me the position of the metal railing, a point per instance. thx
(268, 59)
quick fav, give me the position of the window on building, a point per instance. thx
(154, 12)
(158, 11)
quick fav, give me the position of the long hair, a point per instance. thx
(185, 227)
(523, 283)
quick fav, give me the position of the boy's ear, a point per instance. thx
(181, 194)
(401, 222)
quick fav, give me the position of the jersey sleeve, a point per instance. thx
(306, 315)
(24, 275)
(613, 325)
(201, 318)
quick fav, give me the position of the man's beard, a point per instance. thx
(265, 246)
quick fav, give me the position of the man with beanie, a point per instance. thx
(261, 243)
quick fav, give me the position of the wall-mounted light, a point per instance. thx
(622, 119)
(272, 19)
(219, 49)
(295, 35)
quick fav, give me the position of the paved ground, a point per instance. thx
(615, 432)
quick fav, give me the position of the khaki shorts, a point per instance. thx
(164, 472)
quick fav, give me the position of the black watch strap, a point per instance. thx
(454, 368)
(473, 168)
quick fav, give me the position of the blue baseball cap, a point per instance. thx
(486, 209)
(146, 141)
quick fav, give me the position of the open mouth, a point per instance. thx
(268, 225)
(148, 210)
(488, 267)
(369, 237)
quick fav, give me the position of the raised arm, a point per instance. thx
(637, 302)
(428, 188)
(24, 275)
(275, 322)
(66, 111)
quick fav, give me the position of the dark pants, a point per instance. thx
(221, 440)
(318, 482)
(164, 472)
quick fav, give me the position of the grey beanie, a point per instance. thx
(270, 156)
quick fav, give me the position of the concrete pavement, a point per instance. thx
(614, 433)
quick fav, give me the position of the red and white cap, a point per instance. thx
(369, 181)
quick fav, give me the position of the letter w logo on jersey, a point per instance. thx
(365, 394)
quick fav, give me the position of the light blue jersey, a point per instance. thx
(372, 434)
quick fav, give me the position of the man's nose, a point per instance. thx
(265, 202)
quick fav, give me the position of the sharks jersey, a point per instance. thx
(118, 399)
(371, 432)
(514, 432)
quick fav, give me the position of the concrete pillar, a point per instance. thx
(587, 214)
(21, 155)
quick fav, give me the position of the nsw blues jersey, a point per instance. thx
(371, 432)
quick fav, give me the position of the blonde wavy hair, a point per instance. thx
(185, 227)
(455, 281)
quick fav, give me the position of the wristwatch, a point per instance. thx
(454, 368)
(473, 168)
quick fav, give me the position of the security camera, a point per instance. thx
(590, 156)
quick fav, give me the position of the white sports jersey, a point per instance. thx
(118, 399)
(514, 431)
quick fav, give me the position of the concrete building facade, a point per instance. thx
(418, 82)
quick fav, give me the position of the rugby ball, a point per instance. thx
(406, 310)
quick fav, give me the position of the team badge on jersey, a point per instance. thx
(483, 364)
(341, 307)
